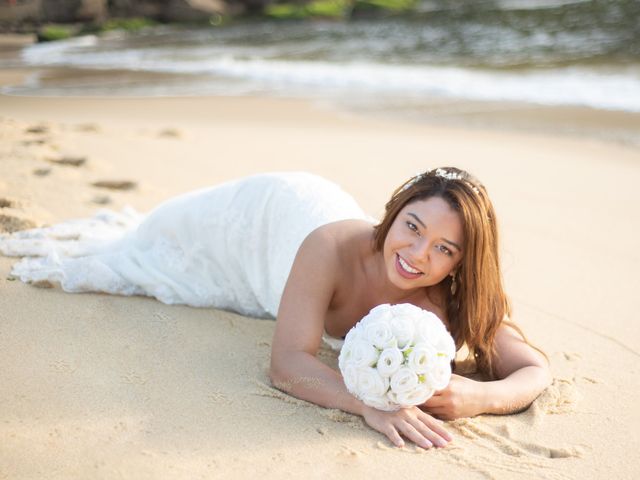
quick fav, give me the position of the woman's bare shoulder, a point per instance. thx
(313, 280)
(343, 229)
(348, 240)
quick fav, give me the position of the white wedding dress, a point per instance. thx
(230, 246)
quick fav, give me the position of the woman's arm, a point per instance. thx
(298, 334)
(522, 372)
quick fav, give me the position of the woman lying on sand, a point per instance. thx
(297, 247)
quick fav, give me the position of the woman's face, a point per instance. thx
(424, 244)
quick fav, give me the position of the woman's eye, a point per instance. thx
(413, 227)
(445, 250)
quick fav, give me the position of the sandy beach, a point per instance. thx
(97, 386)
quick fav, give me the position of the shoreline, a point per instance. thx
(577, 122)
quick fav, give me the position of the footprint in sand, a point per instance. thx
(88, 127)
(37, 129)
(122, 185)
(10, 223)
(6, 203)
(68, 160)
(170, 133)
(42, 172)
(35, 141)
(101, 199)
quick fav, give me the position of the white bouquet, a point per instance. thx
(397, 356)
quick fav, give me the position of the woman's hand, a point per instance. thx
(463, 397)
(418, 426)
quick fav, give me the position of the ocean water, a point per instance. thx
(545, 52)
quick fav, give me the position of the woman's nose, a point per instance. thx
(420, 250)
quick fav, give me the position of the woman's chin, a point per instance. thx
(403, 283)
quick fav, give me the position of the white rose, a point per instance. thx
(354, 333)
(446, 346)
(381, 403)
(403, 329)
(363, 354)
(403, 380)
(371, 383)
(379, 334)
(389, 361)
(439, 374)
(417, 396)
(382, 312)
(421, 357)
(350, 377)
(430, 329)
(346, 355)
(406, 310)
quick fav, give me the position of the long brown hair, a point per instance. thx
(479, 305)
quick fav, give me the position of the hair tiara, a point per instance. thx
(442, 173)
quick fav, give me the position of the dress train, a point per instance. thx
(230, 246)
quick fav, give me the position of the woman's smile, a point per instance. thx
(406, 270)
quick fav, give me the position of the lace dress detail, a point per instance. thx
(230, 246)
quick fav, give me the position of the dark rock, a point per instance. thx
(192, 10)
(137, 8)
(69, 11)
(176, 10)
(13, 13)
(18, 12)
